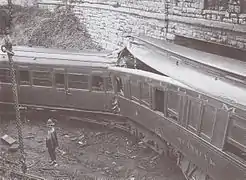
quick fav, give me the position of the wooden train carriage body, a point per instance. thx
(58, 82)
(205, 72)
(197, 125)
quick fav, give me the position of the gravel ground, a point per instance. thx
(90, 152)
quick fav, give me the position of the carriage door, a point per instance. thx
(59, 79)
(101, 83)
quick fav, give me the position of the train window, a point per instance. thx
(236, 136)
(194, 113)
(145, 93)
(173, 100)
(208, 118)
(97, 83)
(24, 77)
(159, 100)
(42, 78)
(59, 79)
(78, 81)
(5, 76)
(109, 85)
(135, 89)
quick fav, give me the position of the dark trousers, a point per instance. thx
(52, 153)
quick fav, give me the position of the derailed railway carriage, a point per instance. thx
(207, 140)
(54, 79)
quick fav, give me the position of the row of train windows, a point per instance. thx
(143, 92)
(43, 78)
(194, 110)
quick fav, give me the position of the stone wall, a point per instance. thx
(108, 21)
(109, 25)
(191, 19)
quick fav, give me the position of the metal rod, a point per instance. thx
(7, 47)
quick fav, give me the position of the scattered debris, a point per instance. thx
(88, 155)
(81, 137)
(39, 140)
(81, 143)
(8, 161)
(29, 137)
(61, 151)
(155, 157)
(7, 139)
(14, 147)
(74, 139)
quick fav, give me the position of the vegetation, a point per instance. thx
(58, 29)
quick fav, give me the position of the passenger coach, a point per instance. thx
(58, 79)
(206, 135)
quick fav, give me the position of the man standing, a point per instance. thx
(52, 142)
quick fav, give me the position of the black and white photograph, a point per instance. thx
(123, 90)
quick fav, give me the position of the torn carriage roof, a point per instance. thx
(203, 82)
(207, 59)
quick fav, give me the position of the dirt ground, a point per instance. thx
(89, 152)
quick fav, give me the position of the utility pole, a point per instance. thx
(7, 48)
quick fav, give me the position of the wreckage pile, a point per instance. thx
(58, 29)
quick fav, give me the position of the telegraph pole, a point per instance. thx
(7, 48)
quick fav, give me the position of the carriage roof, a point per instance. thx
(215, 61)
(42, 56)
(150, 75)
(201, 82)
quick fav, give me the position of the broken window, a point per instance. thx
(159, 100)
(59, 80)
(97, 83)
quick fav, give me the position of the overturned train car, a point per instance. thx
(207, 140)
